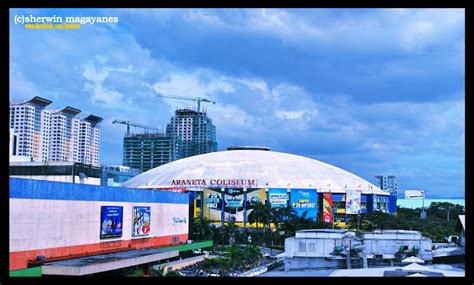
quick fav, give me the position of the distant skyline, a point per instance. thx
(372, 91)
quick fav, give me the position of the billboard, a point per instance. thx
(304, 200)
(212, 203)
(111, 220)
(327, 207)
(141, 216)
(414, 194)
(234, 205)
(353, 201)
(277, 197)
(258, 195)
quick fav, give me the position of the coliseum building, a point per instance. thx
(224, 184)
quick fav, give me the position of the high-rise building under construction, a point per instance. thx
(196, 131)
(147, 151)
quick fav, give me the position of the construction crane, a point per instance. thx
(128, 123)
(198, 99)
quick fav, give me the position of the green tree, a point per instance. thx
(201, 230)
(435, 226)
(261, 213)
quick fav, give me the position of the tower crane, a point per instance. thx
(128, 123)
(197, 99)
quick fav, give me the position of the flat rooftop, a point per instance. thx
(106, 262)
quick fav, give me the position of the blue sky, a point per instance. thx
(373, 91)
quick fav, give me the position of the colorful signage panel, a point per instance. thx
(304, 200)
(234, 205)
(327, 207)
(141, 216)
(212, 204)
(258, 195)
(111, 218)
(277, 197)
(353, 198)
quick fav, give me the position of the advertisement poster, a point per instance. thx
(234, 205)
(278, 197)
(212, 204)
(304, 200)
(255, 196)
(111, 218)
(327, 207)
(353, 201)
(141, 221)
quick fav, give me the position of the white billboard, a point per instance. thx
(414, 194)
(353, 201)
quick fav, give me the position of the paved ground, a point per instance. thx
(449, 270)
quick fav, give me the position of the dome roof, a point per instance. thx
(269, 169)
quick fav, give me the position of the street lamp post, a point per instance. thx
(423, 213)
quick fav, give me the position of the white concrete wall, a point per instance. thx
(309, 262)
(314, 247)
(393, 246)
(40, 224)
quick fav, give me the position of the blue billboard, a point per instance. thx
(278, 197)
(111, 220)
(305, 200)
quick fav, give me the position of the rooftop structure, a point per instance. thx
(265, 168)
(393, 242)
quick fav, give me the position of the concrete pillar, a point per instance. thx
(348, 257)
(364, 256)
(245, 207)
(222, 205)
(202, 204)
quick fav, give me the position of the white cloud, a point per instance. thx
(403, 29)
(191, 85)
(101, 95)
(203, 17)
(20, 87)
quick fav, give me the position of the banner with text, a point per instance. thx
(304, 200)
(212, 206)
(278, 197)
(111, 218)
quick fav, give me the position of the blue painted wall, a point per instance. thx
(392, 203)
(48, 190)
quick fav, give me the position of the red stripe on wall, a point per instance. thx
(20, 259)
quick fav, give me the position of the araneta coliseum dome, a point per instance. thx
(252, 167)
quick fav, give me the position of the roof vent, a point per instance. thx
(244, 147)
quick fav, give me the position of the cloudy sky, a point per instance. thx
(372, 91)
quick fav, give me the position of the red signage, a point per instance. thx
(171, 189)
(214, 182)
(327, 207)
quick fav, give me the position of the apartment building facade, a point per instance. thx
(46, 135)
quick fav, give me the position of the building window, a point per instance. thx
(302, 246)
